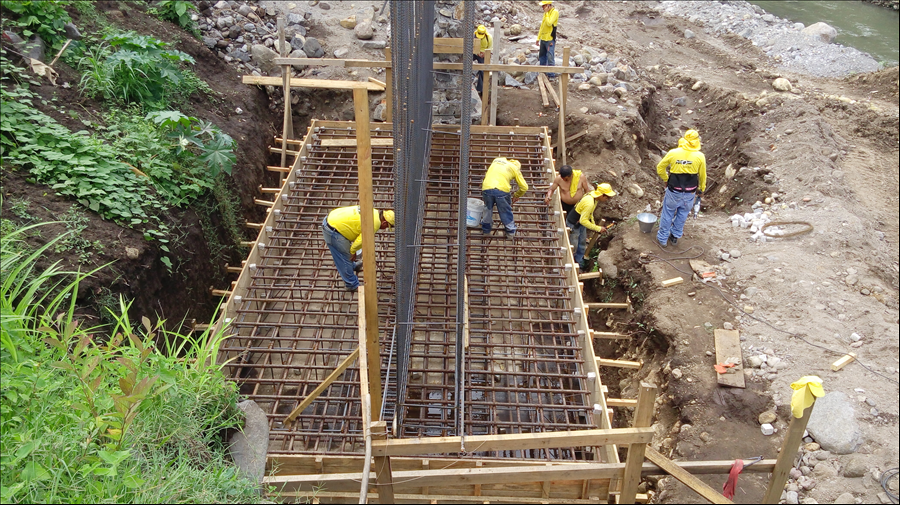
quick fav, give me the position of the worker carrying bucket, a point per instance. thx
(342, 231)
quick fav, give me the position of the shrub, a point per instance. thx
(178, 12)
(46, 18)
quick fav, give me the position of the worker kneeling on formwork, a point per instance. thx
(496, 190)
(342, 231)
(581, 219)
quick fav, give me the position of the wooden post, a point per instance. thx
(288, 126)
(383, 474)
(494, 75)
(786, 456)
(643, 417)
(563, 94)
(365, 398)
(388, 88)
(366, 206)
(486, 91)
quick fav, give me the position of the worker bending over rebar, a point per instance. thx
(342, 231)
(496, 190)
(581, 219)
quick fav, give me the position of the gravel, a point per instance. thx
(781, 39)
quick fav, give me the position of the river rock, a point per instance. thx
(688, 34)
(263, 57)
(855, 466)
(297, 41)
(249, 446)
(767, 417)
(210, 42)
(341, 52)
(584, 87)
(374, 44)
(781, 84)
(822, 31)
(606, 262)
(599, 79)
(245, 10)
(833, 424)
(312, 48)
(845, 498)
(364, 30)
(349, 22)
(791, 498)
(515, 30)
(511, 81)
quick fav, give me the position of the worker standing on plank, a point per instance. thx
(572, 187)
(683, 169)
(496, 190)
(483, 42)
(581, 219)
(342, 231)
(547, 35)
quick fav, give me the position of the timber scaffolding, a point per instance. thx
(321, 362)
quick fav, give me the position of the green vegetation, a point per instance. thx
(46, 18)
(178, 12)
(121, 421)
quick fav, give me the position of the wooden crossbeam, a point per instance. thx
(310, 83)
(487, 67)
(570, 138)
(279, 150)
(590, 275)
(352, 142)
(619, 363)
(607, 305)
(272, 168)
(621, 402)
(608, 334)
(685, 477)
(340, 497)
(337, 372)
(516, 441)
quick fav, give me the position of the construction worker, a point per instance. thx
(547, 35)
(342, 231)
(581, 219)
(572, 187)
(683, 169)
(483, 42)
(496, 189)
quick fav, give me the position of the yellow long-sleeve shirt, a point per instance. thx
(348, 222)
(499, 175)
(485, 44)
(548, 22)
(686, 169)
(585, 207)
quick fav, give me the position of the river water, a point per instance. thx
(861, 25)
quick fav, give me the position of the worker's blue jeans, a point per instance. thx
(675, 209)
(578, 238)
(340, 253)
(546, 55)
(503, 200)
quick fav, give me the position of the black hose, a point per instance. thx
(885, 478)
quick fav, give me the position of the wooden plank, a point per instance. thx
(786, 457)
(598, 305)
(563, 94)
(384, 476)
(296, 82)
(367, 222)
(495, 76)
(685, 477)
(388, 89)
(337, 372)
(447, 45)
(674, 281)
(643, 417)
(376, 81)
(728, 345)
(365, 398)
(339, 497)
(590, 275)
(571, 138)
(486, 91)
(516, 441)
(543, 89)
(619, 363)
(550, 89)
(488, 67)
(841, 363)
(608, 334)
(621, 402)
(352, 142)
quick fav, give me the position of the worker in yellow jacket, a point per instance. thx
(496, 189)
(581, 219)
(547, 35)
(483, 43)
(683, 169)
(572, 187)
(342, 231)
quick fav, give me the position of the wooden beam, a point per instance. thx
(388, 89)
(621, 402)
(367, 221)
(549, 87)
(563, 95)
(337, 372)
(597, 305)
(728, 346)
(271, 168)
(841, 363)
(486, 91)
(279, 150)
(376, 81)
(489, 67)
(543, 89)
(619, 363)
(786, 456)
(383, 474)
(571, 138)
(448, 45)
(590, 275)
(516, 441)
(296, 82)
(685, 477)
(381, 142)
(338, 497)
(608, 334)
(365, 398)
(643, 417)
(495, 76)
(672, 282)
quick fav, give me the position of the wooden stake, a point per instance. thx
(643, 416)
(697, 485)
(388, 89)
(486, 91)
(608, 334)
(365, 398)
(494, 75)
(60, 52)
(563, 95)
(366, 205)
(383, 474)
(337, 372)
(786, 457)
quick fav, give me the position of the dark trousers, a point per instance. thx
(546, 54)
(480, 82)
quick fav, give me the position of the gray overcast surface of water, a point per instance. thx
(867, 27)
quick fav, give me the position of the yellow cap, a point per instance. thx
(603, 189)
(546, 2)
(481, 31)
(692, 137)
(389, 216)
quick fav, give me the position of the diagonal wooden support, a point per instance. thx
(685, 477)
(643, 417)
(337, 372)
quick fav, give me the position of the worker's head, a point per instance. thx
(603, 192)
(387, 219)
(546, 5)
(565, 172)
(692, 139)
(480, 32)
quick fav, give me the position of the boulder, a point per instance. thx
(584, 86)
(374, 44)
(599, 79)
(511, 81)
(210, 42)
(35, 48)
(298, 53)
(297, 42)
(855, 466)
(264, 58)
(606, 262)
(72, 31)
(515, 30)
(249, 446)
(833, 424)
(312, 48)
(245, 10)
(529, 77)
(364, 30)
(822, 31)
(782, 84)
(349, 22)
(845, 498)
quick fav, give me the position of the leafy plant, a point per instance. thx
(46, 18)
(176, 11)
(214, 147)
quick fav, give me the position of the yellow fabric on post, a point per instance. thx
(576, 179)
(806, 390)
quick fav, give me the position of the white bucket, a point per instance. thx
(474, 211)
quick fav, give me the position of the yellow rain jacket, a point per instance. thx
(585, 207)
(501, 172)
(686, 169)
(548, 24)
(487, 44)
(576, 179)
(348, 222)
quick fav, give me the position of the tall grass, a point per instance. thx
(85, 421)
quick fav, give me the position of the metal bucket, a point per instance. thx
(646, 221)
